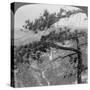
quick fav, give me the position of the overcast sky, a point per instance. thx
(33, 11)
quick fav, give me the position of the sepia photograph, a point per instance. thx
(49, 44)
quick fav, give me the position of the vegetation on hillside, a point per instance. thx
(72, 60)
(36, 49)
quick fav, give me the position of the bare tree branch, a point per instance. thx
(64, 48)
(62, 57)
(83, 44)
